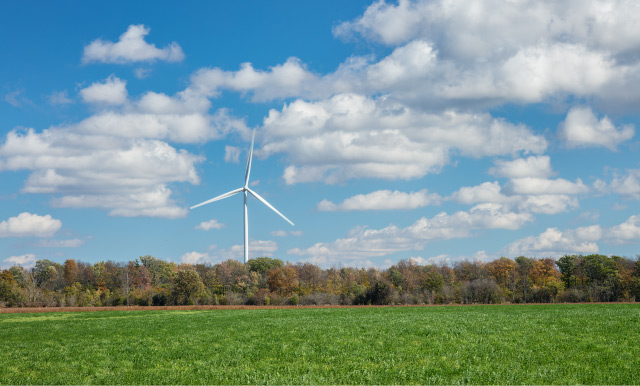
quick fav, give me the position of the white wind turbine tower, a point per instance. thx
(244, 190)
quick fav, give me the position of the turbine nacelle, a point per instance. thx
(244, 190)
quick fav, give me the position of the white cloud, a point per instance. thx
(465, 54)
(281, 233)
(363, 243)
(128, 176)
(485, 192)
(176, 127)
(626, 185)
(142, 73)
(388, 23)
(231, 154)
(112, 91)
(257, 248)
(195, 258)
(442, 259)
(472, 28)
(383, 200)
(533, 166)
(627, 232)
(131, 48)
(211, 224)
(351, 136)
(119, 158)
(491, 192)
(29, 225)
(26, 261)
(582, 128)
(60, 98)
(538, 186)
(288, 79)
(548, 203)
(553, 242)
(416, 74)
(17, 99)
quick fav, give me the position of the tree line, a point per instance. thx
(149, 281)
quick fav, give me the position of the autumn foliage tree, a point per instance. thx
(265, 280)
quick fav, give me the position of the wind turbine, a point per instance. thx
(245, 189)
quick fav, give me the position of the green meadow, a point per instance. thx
(532, 344)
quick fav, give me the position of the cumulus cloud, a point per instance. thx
(29, 225)
(131, 48)
(112, 91)
(257, 248)
(211, 224)
(285, 80)
(548, 203)
(627, 185)
(128, 176)
(627, 232)
(119, 158)
(475, 27)
(461, 55)
(582, 128)
(26, 261)
(533, 166)
(492, 192)
(364, 243)
(554, 242)
(538, 186)
(195, 257)
(416, 75)
(383, 200)
(485, 192)
(352, 136)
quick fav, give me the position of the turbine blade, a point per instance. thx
(256, 195)
(246, 175)
(220, 197)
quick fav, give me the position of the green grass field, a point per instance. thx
(554, 344)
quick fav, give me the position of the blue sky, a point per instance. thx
(430, 130)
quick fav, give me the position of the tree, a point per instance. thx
(525, 265)
(127, 279)
(70, 271)
(186, 286)
(433, 281)
(283, 280)
(262, 265)
(48, 275)
(232, 274)
(310, 277)
(567, 265)
(469, 270)
(505, 272)
(160, 271)
(9, 290)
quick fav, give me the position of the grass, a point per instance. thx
(554, 344)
